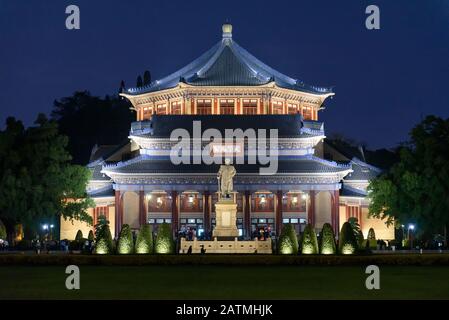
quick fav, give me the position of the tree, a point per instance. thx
(139, 82)
(354, 222)
(164, 240)
(347, 243)
(144, 241)
(122, 87)
(146, 78)
(37, 181)
(288, 241)
(2, 231)
(416, 189)
(90, 237)
(103, 237)
(328, 245)
(309, 242)
(79, 117)
(125, 241)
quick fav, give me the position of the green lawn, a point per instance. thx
(224, 282)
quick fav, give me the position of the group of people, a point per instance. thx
(187, 232)
(262, 234)
(4, 245)
(382, 245)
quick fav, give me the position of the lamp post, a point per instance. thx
(410, 235)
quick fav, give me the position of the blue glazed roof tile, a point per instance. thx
(227, 64)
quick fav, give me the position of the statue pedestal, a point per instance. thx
(225, 220)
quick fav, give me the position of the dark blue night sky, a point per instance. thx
(385, 80)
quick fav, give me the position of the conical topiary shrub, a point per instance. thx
(79, 236)
(371, 234)
(328, 245)
(288, 241)
(103, 242)
(125, 241)
(144, 241)
(309, 242)
(347, 244)
(371, 239)
(164, 243)
(90, 237)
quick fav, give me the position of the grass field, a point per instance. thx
(224, 282)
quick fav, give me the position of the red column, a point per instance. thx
(278, 212)
(247, 213)
(337, 211)
(118, 213)
(206, 195)
(311, 211)
(359, 217)
(174, 211)
(142, 213)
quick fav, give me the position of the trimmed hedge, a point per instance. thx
(288, 241)
(104, 244)
(347, 244)
(125, 243)
(144, 241)
(211, 259)
(164, 243)
(327, 244)
(309, 242)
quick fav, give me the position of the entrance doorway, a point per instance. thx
(262, 228)
(191, 227)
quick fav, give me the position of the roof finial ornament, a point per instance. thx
(227, 30)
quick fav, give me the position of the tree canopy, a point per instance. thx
(82, 118)
(37, 180)
(416, 189)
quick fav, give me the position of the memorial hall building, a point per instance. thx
(228, 88)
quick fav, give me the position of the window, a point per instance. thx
(278, 107)
(176, 107)
(307, 113)
(294, 202)
(262, 202)
(161, 109)
(146, 112)
(249, 106)
(203, 106)
(191, 202)
(292, 108)
(226, 106)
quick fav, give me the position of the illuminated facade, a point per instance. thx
(227, 88)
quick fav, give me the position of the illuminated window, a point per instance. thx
(161, 108)
(278, 107)
(204, 106)
(176, 107)
(292, 108)
(249, 106)
(146, 112)
(226, 106)
(307, 113)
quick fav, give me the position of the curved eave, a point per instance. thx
(269, 85)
